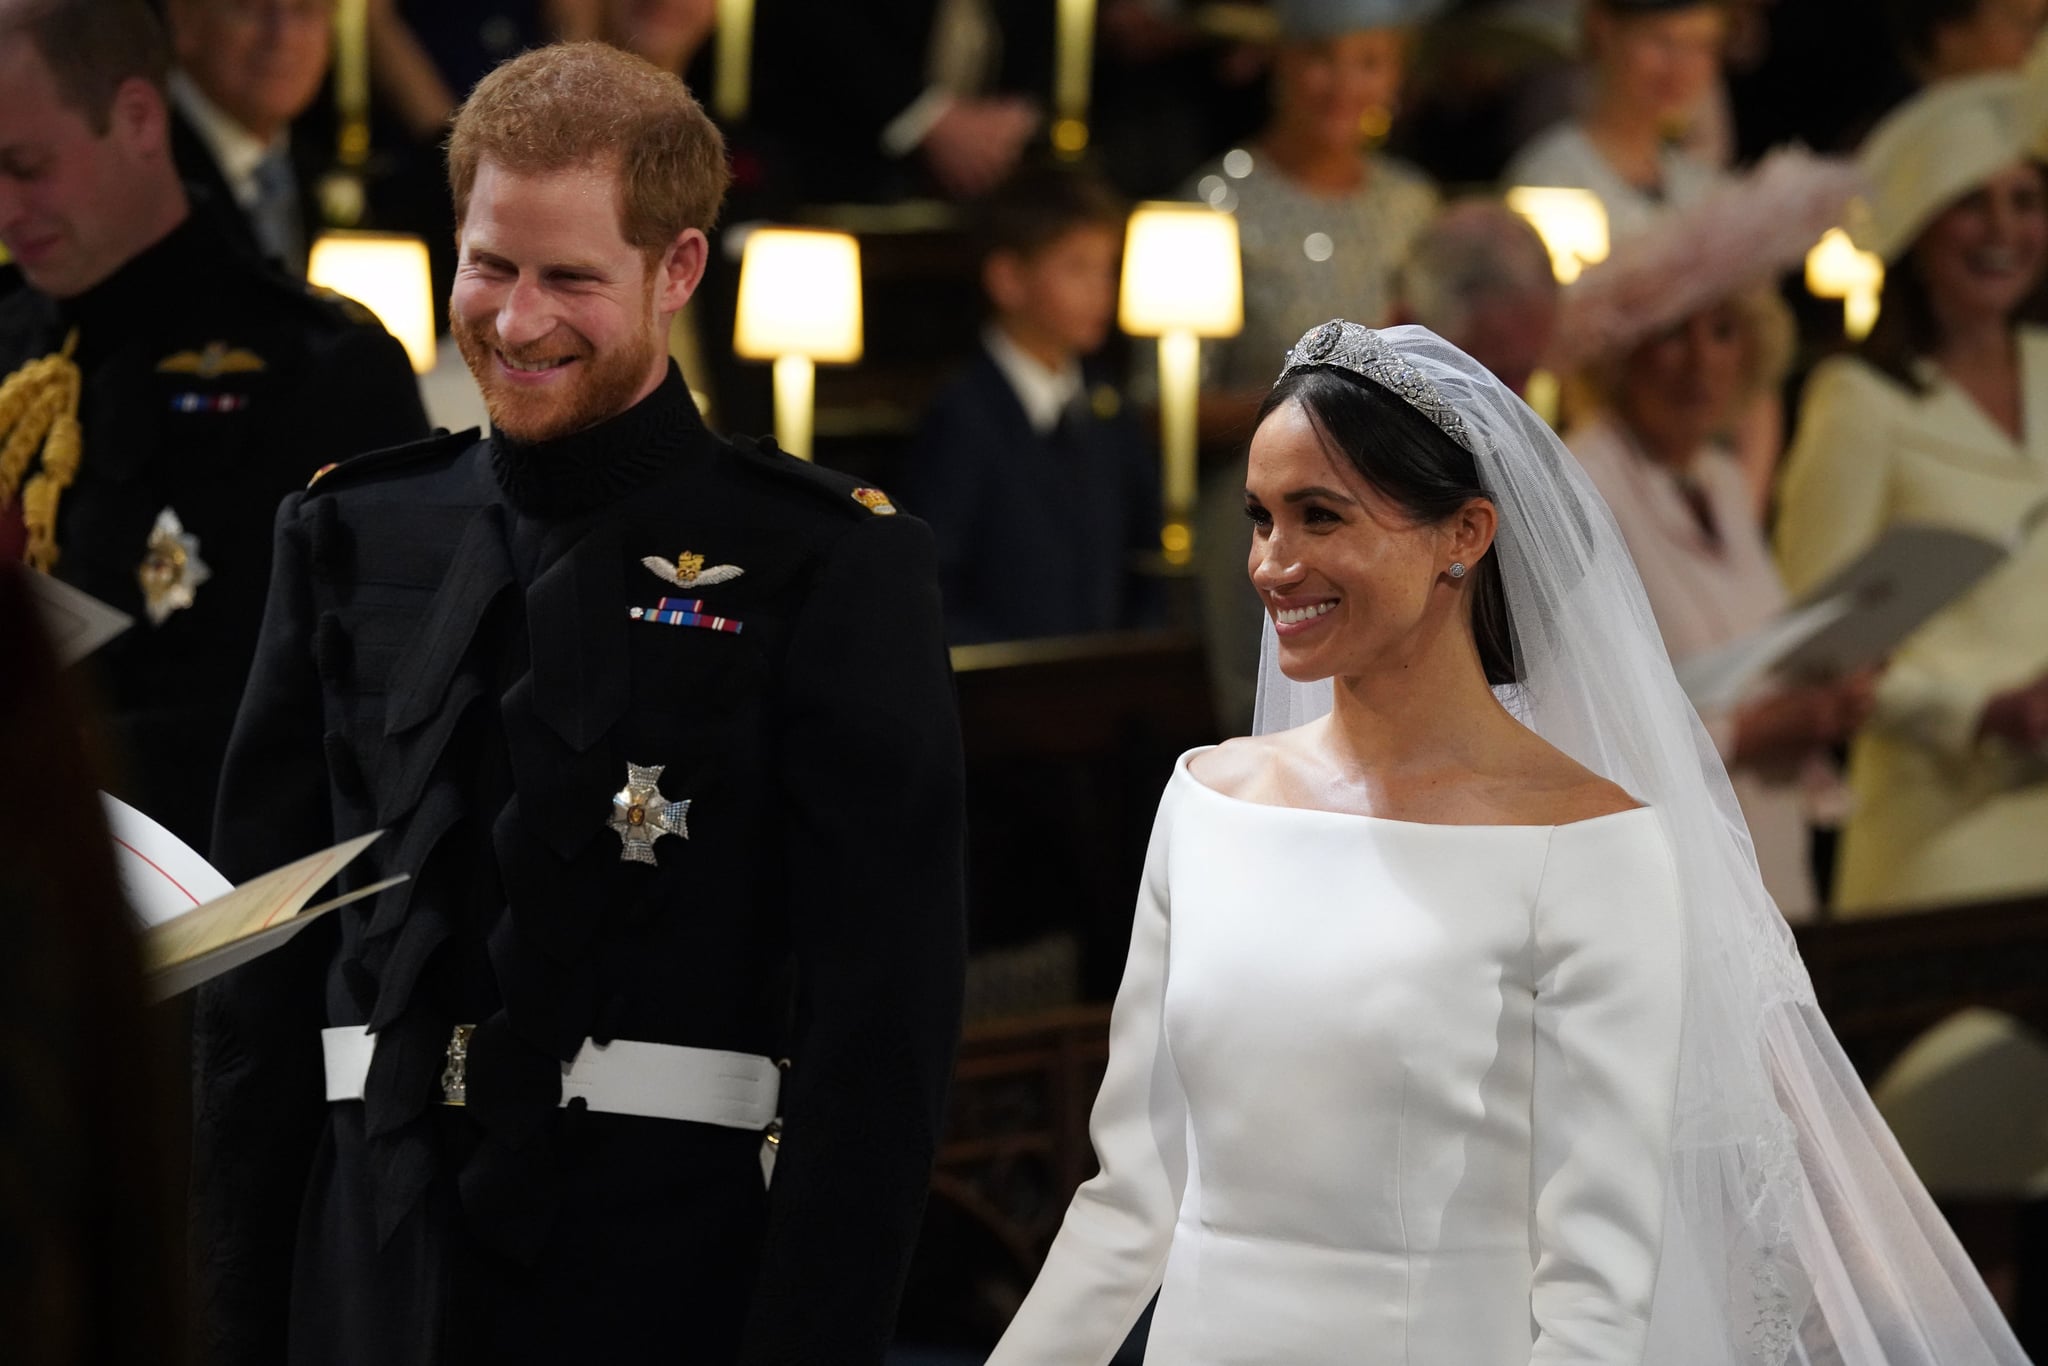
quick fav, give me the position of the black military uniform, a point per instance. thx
(213, 386)
(468, 643)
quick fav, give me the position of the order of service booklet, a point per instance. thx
(194, 924)
(1853, 619)
(78, 623)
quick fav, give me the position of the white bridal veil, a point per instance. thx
(1795, 1233)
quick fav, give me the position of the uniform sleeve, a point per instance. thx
(364, 397)
(258, 1100)
(1609, 996)
(872, 822)
(1110, 1255)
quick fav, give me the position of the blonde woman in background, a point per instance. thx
(1324, 224)
(1675, 335)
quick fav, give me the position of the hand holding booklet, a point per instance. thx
(1852, 620)
(196, 926)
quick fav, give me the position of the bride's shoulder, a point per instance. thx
(1552, 788)
(1236, 767)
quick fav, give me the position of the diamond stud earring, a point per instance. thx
(1457, 570)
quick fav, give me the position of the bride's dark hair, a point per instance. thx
(1415, 464)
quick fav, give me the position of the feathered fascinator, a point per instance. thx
(1742, 235)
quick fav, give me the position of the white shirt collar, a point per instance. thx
(1044, 393)
(236, 150)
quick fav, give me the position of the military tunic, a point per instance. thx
(451, 654)
(213, 386)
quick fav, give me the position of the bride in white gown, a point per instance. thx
(1458, 1029)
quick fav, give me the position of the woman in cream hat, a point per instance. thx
(1941, 416)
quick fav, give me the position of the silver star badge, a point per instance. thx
(688, 570)
(171, 570)
(642, 815)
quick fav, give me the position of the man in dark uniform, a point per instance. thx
(205, 387)
(661, 728)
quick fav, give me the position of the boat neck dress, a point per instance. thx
(1379, 1092)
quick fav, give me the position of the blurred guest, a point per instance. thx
(1324, 226)
(668, 33)
(425, 54)
(89, 1251)
(1654, 64)
(1938, 39)
(1938, 417)
(1675, 333)
(171, 389)
(245, 70)
(893, 97)
(1480, 278)
(1038, 485)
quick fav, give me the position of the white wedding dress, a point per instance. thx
(1379, 1093)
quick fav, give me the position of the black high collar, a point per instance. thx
(578, 473)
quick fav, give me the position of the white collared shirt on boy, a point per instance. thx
(1045, 393)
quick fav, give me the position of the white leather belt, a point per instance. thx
(623, 1077)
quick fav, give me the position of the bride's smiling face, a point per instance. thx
(1350, 581)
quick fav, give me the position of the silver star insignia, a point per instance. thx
(642, 815)
(171, 570)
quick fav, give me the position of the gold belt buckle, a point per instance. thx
(454, 1078)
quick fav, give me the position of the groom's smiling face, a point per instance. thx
(556, 313)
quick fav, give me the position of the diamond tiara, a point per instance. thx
(1365, 352)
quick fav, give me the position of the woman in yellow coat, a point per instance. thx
(1941, 417)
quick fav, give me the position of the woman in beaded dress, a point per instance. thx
(1321, 223)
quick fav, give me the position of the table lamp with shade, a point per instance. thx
(1837, 268)
(385, 272)
(799, 304)
(1183, 280)
(1572, 223)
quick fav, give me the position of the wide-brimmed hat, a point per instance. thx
(1737, 239)
(1931, 151)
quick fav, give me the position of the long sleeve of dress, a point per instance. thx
(1111, 1251)
(1832, 507)
(1836, 504)
(1609, 996)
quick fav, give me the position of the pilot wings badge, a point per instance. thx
(688, 570)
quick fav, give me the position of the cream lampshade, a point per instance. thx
(799, 304)
(1836, 269)
(385, 272)
(1571, 222)
(1183, 280)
